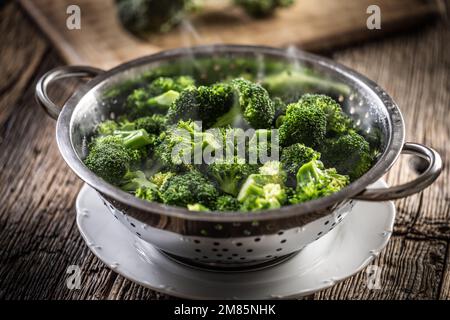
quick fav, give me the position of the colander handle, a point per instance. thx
(60, 73)
(430, 174)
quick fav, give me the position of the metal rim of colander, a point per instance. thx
(392, 150)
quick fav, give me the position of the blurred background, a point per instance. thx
(401, 44)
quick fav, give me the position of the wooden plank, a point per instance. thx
(102, 41)
(407, 269)
(24, 44)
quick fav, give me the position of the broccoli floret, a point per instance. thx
(268, 196)
(134, 180)
(197, 207)
(337, 121)
(135, 139)
(107, 127)
(188, 188)
(205, 103)
(262, 8)
(164, 84)
(160, 177)
(313, 181)
(303, 123)
(154, 124)
(227, 203)
(184, 144)
(274, 171)
(295, 156)
(350, 154)
(264, 190)
(141, 16)
(141, 103)
(229, 174)
(109, 158)
(261, 148)
(255, 104)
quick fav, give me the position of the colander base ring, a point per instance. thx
(212, 267)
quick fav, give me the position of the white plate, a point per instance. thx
(342, 252)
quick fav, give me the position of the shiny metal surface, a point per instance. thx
(179, 231)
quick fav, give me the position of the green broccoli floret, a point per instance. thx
(188, 188)
(337, 121)
(263, 146)
(303, 123)
(197, 207)
(160, 177)
(255, 104)
(350, 154)
(262, 8)
(134, 180)
(227, 203)
(183, 145)
(107, 127)
(109, 158)
(164, 84)
(141, 103)
(264, 190)
(229, 174)
(154, 124)
(135, 139)
(268, 196)
(141, 16)
(274, 172)
(205, 103)
(313, 181)
(295, 156)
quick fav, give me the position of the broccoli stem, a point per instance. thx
(134, 139)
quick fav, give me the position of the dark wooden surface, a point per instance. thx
(38, 234)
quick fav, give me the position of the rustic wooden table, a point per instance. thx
(38, 234)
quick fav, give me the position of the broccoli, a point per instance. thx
(274, 172)
(135, 139)
(262, 8)
(183, 145)
(279, 106)
(337, 121)
(205, 103)
(264, 190)
(255, 104)
(229, 174)
(154, 124)
(313, 181)
(197, 207)
(140, 103)
(188, 188)
(134, 180)
(268, 196)
(107, 127)
(160, 177)
(163, 84)
(227, 203)
(263, 146)
(141, 16)
(303, 123)
(295, 156)
(109, 158)
(350, 154)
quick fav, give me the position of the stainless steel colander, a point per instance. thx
(233, 240)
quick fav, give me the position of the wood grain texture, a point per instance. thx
(25, 44)
(102, 41)
(38, 234)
